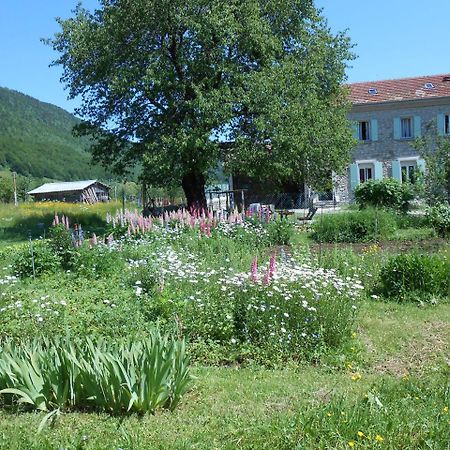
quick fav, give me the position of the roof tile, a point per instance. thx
(400, 89)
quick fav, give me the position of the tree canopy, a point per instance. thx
(178, 86)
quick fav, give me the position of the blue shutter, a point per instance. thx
(374, 129)
(378, 170)
(396, 170)
(421, 165)
(397, 128)
(354, 176)
(441, 124)
(417, 126)
(355, 127)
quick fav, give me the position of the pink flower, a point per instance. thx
(254, 270)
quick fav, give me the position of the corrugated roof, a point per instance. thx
(62, 187)
(431, 86)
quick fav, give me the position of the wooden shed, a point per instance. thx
(88, 191)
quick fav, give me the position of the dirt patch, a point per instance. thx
(419, 355)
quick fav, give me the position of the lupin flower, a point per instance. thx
(254, 270)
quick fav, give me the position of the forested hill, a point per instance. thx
(36, 140)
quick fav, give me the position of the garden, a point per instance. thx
(202, 330)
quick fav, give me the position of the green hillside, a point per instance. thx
(36, 140)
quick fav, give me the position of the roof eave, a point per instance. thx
(394, 104)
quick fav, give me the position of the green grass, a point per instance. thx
(18, 223)
(397, 358)
(390, 379)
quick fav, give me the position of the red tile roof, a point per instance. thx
(401, 89)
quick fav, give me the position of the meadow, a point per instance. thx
(290, 343)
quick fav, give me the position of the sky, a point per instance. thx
(392, 38)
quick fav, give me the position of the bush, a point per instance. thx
(385, 193)
(280, 232)
(45, 259)
(438, 218)
(134, 376)
(62, 244)
(355, 226)
(415, 276)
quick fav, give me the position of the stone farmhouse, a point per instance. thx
(387, 116)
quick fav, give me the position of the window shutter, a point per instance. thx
(354, 176)
(441, 124)
(397, 128)
(378, 170)
(417, 126)
(355, 127)
(374, 129)
(396, 170)
(421, 165)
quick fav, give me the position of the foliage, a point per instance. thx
(280, 232)
(436, 152)
(62, 245)
(39, 255)
(209, 70)
(36, 140)
(385, 193)
(439, 218)
(355, 226)
(416, 276)
(133, 376)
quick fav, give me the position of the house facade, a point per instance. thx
(387, 116)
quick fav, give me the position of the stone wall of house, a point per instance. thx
(386, 148)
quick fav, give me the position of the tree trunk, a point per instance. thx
(193, 184)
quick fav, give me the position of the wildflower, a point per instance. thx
(360, 434)
(351, 444)
(378, 438)
(356, 376)
(445, 410)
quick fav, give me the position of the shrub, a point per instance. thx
(280, 232)
(45, 259)
(385, 193)
(355, 226)
(62, 244)
(97, 262)
(134, 376)
(413, 275)
(439, 219)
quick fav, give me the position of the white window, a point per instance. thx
(364, 130)
(447, 124)
(406, 130)
(409, 171)
(366, 172)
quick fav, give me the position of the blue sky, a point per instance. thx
(394, 38)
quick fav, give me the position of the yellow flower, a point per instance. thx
(329, 414)
(445, 410)
(378, 438)
(349, 366)
(356, 376)
(351, 443)
(354, 334)
(360, 434)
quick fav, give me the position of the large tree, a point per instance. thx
(167, 83)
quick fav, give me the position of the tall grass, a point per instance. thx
(368, 225)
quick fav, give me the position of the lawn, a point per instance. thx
(373, 371)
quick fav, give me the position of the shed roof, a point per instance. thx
(63, 187)
(430, 86)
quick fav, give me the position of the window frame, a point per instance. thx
(411, 127)
(446, 124)
(368, 130)
(366, 166)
